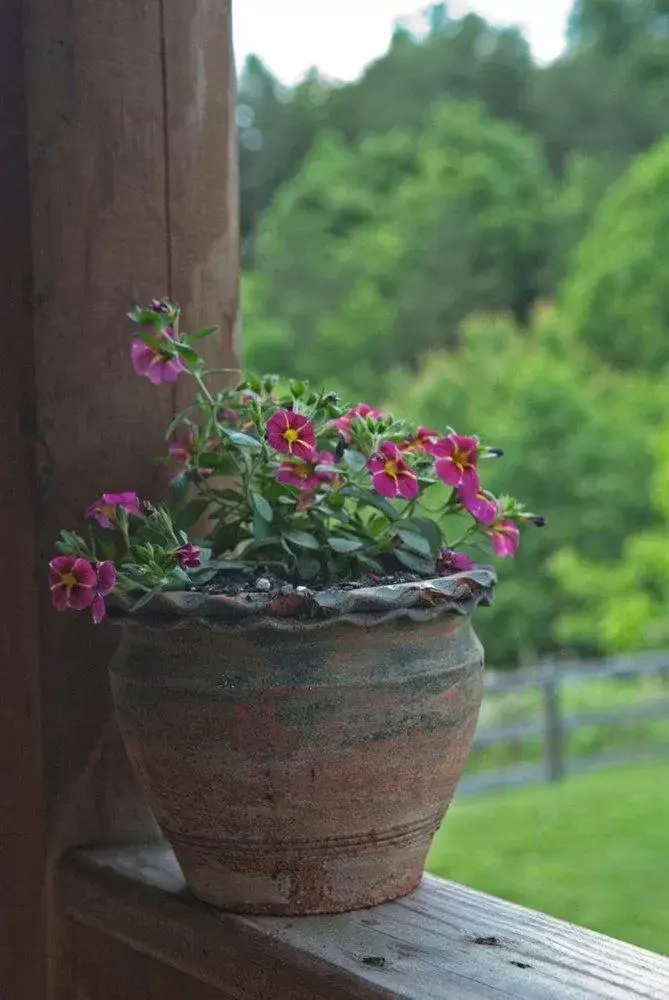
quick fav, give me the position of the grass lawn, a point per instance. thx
(593, 850)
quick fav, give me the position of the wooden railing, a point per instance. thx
(442, 942)
(553, 725)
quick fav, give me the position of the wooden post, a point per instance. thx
(554, 736)
(117, 183)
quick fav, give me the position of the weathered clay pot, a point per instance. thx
(302, 765)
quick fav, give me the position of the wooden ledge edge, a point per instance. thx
(443, 942)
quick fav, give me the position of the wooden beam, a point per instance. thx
(22, 832)
(117, 183)
(443, 942)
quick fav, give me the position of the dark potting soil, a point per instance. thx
(237, 582)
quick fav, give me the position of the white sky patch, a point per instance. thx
(340, 37)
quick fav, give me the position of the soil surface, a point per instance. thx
(237, 582)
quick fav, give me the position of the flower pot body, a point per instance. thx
(303, 768)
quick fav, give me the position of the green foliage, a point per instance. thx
(374, 254)
(571, 442)
(623, 603)
(617, 296)
(591, 850)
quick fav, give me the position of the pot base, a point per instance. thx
(304, 879)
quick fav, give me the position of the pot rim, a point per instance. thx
(302, 608)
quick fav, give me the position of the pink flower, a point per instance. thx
(343, 423)
(422, 440)
(456, 460)
(307, 473)
(181, 452)
(75, 583)
(505, 538)
(291, 434)
(189, 556)
(454, 562)
(105, 509)
(106, 579)
(158, 366)
(391, 474)
(480, 505)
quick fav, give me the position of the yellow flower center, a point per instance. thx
(69, 580)
(108, 510)
(392, 468)
(461, 459)
(302, 470)
(291, 435)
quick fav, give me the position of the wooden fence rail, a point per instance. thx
(553, 725)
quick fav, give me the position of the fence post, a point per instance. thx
(554, 751)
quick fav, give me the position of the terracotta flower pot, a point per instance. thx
(302, 764)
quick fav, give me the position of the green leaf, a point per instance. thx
(302, 539)
(372, 500)
(191, 357)
(308, 566)
(261, 528)
(414, 562)
(341, 544)
(240, 439)
(179, 490)
(189, 515)
(415, 542)
(146, 317)
(429, 529)
(200, 334)
(148, 338)
(355, 460)
(262, 507)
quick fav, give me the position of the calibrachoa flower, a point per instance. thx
(392, 476)
(181, 452)
(456, 458)
(291, 434)
(454, 562)
(480, 505)
(105, 509)
(423, 439)
(307, 473)
(505, 538)
(158, 366)
(343, 423)
(75, 583)
(189, 556)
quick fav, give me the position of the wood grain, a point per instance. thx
(22, 833)
(101, 206)
(443, 941)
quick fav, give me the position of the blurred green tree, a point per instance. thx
(616, 297)
(374, 254)
(575, 449)
(623, 603)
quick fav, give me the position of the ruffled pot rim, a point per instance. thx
(304, 609)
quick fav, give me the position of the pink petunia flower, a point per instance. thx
(76, 584)
(180, 452)
(454, 562)
(456, 460)
(505, 538)
(480, 505)
(422, 440)
(343, 423)
(291, 434)
(307, 473)
(392, 476)
(158, 366)
(106, 580)
(189, 556)
(105, 509)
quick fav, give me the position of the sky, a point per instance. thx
(340, 37)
